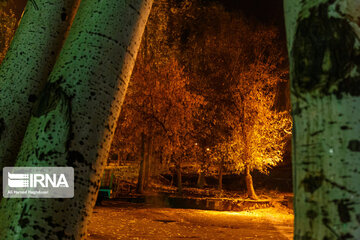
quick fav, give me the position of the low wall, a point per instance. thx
(127, 173)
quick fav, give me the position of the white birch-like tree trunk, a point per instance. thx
(74, 119)
(26, 67)
(324, 49)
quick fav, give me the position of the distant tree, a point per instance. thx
(260, 132)
(238, 72)
(220, 157)
(159, 106)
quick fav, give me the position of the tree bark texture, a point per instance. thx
(74, 119)
(324, 51)
(26, 67)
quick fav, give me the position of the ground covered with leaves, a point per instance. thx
(121, 220)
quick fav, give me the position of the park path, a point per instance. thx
(119, 220)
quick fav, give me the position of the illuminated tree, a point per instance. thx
(323, 43)
(73, 121)
(24, 71)
(260, 131)
(239, 73)
(160, 110)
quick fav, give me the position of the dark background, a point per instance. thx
(264, 10)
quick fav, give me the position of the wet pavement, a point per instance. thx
(120, 220)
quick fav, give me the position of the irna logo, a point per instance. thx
(38, 182)
(17, 180)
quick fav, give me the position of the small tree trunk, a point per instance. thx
(220, 175)
(249, 185)
(156, 166)
(179, 177)
(201, 179)
(140, 183)
(148, 162)
(172, 179)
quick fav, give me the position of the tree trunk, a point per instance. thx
(323, 43)
(172, 179)
(201, 179)
(220, 176)
(140, 183)
(156, 166)
(249, 185)
(179, 177)
(148, 162)
(75, 117)
(26, 67)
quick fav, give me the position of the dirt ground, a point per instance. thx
(119, 220)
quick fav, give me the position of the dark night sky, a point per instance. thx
(264, 10)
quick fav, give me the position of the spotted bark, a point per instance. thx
(26, 67)
(324, 49)
(74, 118)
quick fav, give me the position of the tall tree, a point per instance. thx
(260, 132)
(160, 106)
(74, 119)
(323, 43)
(27, 65)
(240, 72)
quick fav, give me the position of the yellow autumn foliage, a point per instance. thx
(8, 24)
